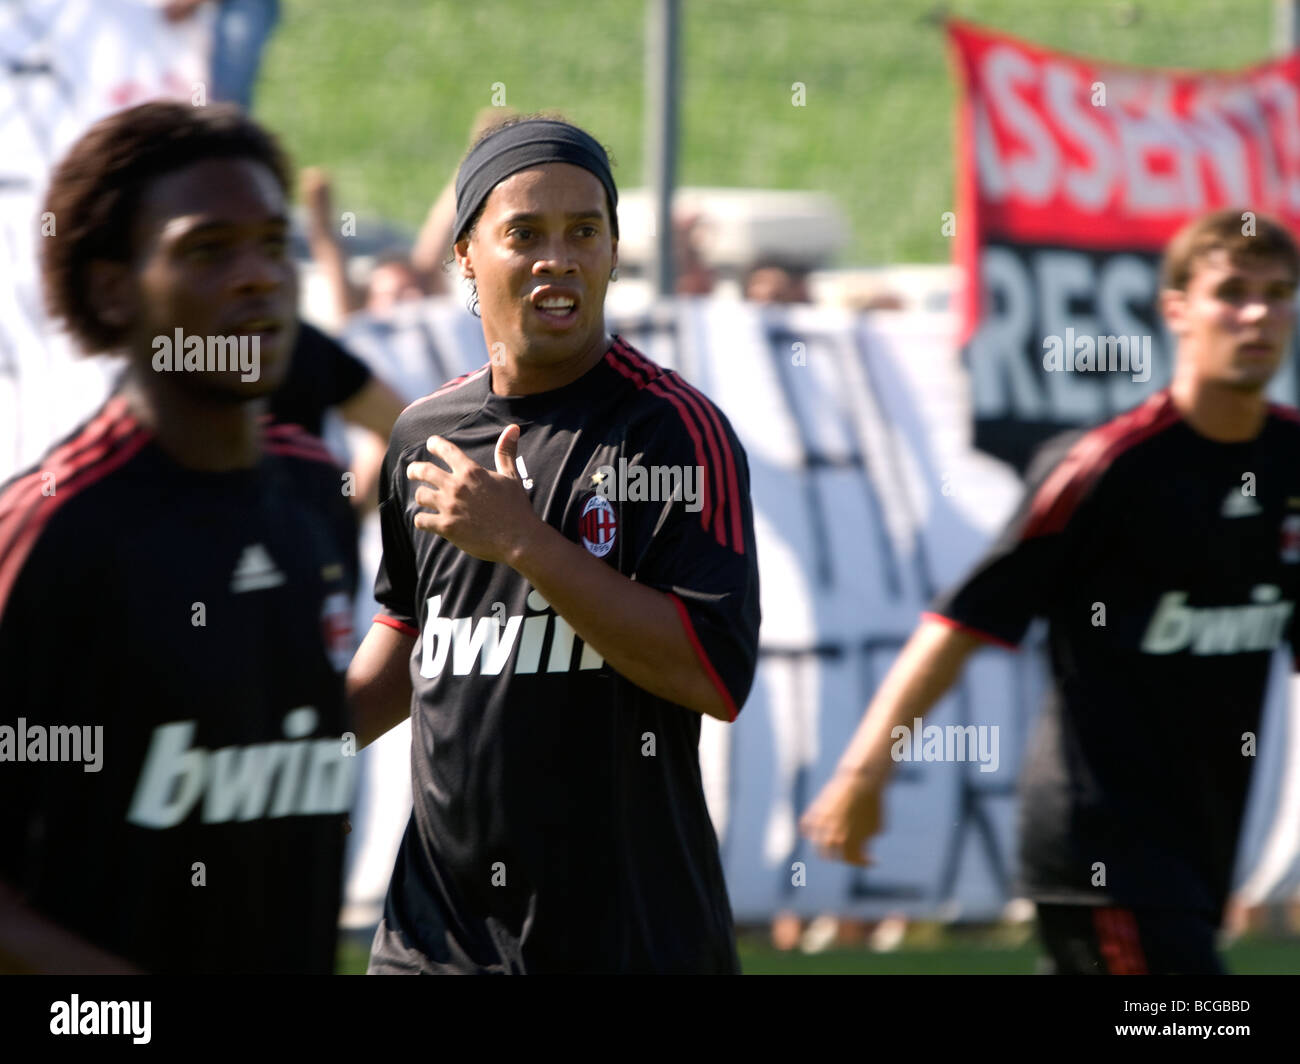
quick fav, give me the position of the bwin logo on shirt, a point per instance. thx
(311, 776)
(1218, 629)
(489, 642)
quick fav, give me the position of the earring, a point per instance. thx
(613, 274)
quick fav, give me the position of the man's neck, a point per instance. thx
(196, 431)
(510, 377)
(1218, 412)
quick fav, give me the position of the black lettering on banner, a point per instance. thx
(891, 462)
(792, 668)
(815, 459)
(1034, 293)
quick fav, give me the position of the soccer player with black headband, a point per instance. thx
(555, 643)
(1163, 549)
(175, 585)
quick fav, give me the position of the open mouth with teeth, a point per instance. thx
(560, 310)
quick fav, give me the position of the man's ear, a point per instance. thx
(112, 294)
(614, 262)
(463, 261)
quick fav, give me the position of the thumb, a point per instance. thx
(507, 445)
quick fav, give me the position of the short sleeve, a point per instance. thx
(1013, 582)
(322, 374)
(395, 581)
(701, 551)
(347, 373)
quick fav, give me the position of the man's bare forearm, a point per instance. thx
(379, 682)
(635, 628)
(925, 668)
(433, 244)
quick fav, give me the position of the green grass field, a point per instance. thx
(948, 953)
(383, 93)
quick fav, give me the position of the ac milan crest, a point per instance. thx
(598, 526)
(336, 629)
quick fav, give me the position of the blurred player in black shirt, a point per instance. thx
(175, 585)
(323, 374)
(1163, 548)
(554, 636)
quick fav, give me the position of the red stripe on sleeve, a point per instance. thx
(1287, 413)
(660, 385)
(976, 632)
(286, 434)
(20, 536)
(716, 486)
(312, 454)
(1117, 938)
(452, 385)
(705, 429)
(393, 622)
(705, 513)
(706, 414)
(733, 481)
(1065, 487)
(709, 670)
(112, 422)
(285, 428)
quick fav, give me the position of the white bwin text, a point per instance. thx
(1176, 626)
(312, 776)
(488, 642)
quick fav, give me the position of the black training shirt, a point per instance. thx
(322, 373)
(202, 620)
(559, 821)
(1167, 566)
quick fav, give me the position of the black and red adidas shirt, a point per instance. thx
(559, 821)
(1167, 566)
(172, 642)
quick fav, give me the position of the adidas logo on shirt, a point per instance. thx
(1238, 504)
(255, 571)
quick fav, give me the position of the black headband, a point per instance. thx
(518, 147)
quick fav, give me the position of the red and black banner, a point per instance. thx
(1073, 175)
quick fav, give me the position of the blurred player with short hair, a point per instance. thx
(555, 638)
(1163, 548)
(175, 584)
